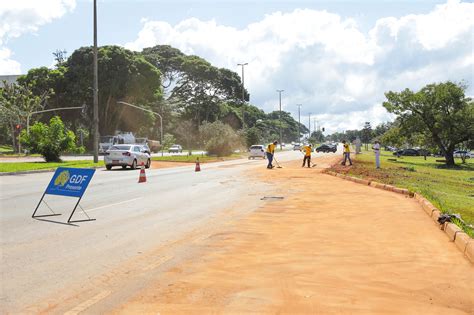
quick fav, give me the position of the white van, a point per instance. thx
(257, 151)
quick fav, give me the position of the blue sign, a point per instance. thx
(71, 182)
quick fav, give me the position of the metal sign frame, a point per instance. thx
(52, 189)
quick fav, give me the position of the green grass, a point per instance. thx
(450, 189)
(29, 166)
(192, 158)
(6, 149)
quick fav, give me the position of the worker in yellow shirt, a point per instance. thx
(270, 152)
(307, 149)
(346, 152)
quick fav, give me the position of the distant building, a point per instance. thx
(9, 78)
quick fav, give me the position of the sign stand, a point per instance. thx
(69, 182)
(72, 213)
(44, 215)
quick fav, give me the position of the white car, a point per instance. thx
(297, 147)
(175, 148)
(126, 155)
(459, 153)
(257, 151)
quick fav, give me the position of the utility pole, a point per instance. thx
(243, 94)
(299, 122)
(309, 125)
(96, 90)
(279, 92)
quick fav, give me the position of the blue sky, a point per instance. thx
(334, 57)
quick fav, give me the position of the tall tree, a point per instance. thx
(441, 112)
(17, 104)
(123, 75)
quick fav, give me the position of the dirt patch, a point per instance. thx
(329, 247)
(166, 164)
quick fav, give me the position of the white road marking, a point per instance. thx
(86, 304)
(112, 204)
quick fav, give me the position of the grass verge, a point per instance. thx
(30, 166)
(450, 189)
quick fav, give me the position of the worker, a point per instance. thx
(346, 152)
(307, 149)
(376, 148)
(270, 152)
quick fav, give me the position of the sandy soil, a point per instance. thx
(166, 164)
(329, 247)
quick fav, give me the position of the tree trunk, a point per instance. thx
(449, 155)
(13, 137)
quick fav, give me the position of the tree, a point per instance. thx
(186, 130)
(219, 139)
(252, 136)
(200, 87)
(17, 103)
(49, 140)
(366, 133)
(123, 75)
(441, 112)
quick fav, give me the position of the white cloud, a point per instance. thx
(18, 17)
(327, 62)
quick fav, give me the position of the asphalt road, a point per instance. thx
(7, 159)
(43, 259)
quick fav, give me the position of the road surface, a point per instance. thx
(42, 261)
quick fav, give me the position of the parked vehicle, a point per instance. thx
(106, 142)
(175, 148)
(297, 146)
(126, 155)
(460, 153)
(153, 145)
(326, 148)
(257, 151)
(407, 152)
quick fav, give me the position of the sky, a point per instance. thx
(336, 58)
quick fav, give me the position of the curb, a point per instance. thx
(463, 242)
(38, 171)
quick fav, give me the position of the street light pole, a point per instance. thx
(243, 93)
(279, 92)
(96, 90)
(309, 124)
(299, 122)
(45, 111)
(150, 111)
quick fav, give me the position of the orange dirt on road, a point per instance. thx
(329, 247)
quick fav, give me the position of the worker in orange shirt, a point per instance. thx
(307, 149)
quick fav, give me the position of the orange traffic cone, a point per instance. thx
(198, 167)
(142, 177)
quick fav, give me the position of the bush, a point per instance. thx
(219, 138)
(252, 136)
(168, 141)
(49, 141)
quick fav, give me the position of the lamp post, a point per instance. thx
(299, 122)
(309, 124)
(279, 92)
(149, 111)
(45, 111)
(243, 93)
(96, 92)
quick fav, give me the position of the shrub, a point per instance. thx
(49, 140)
(219, 138)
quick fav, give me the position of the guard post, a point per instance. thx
(68, 182)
